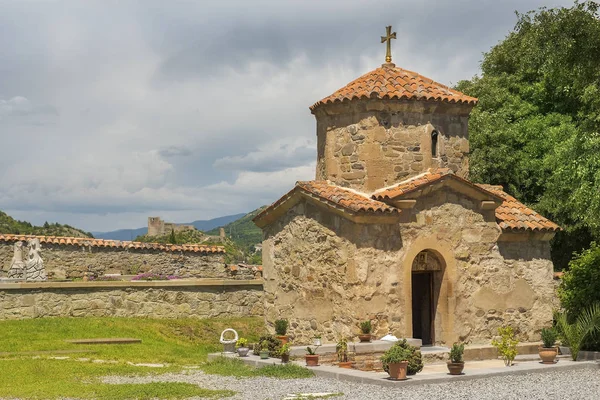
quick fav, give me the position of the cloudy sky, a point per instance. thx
(111, 111)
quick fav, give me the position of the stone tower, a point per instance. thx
(388, 125)
(156, 226)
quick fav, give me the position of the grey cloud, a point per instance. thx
(162, 107)
(175, 151)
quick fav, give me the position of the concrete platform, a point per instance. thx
(431, 374)
(375, 346)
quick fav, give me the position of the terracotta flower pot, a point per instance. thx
(397, 371)
(312, 360)
(455, 368)
(284, 339)
(547, 354)
(365, 338)
(345, 364)
(285, 358)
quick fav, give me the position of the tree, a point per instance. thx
(580, 287)
(536, 128)
(172, 238)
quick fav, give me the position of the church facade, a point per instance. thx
(392, 231)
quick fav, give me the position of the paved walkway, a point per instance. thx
(432, 373)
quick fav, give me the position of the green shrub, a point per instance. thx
(548, 337)
(281, 326)
(587, 324)
(272, 343)
(580, 287)
(341, 348)
(507, 345)
(365, 327)
(242, 342)
(456, 352)
(415, 360)
(395, 354)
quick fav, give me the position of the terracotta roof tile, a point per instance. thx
(348, 199)
(513, 215)
(412, 184)
(334, 195)
(391, 82)
(78, 241)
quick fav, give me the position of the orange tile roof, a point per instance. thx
(513, 215)
(350, 200)
(391, 82)
(334, 195)
(412, 184)
(78, 241)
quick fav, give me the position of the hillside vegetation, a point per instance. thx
(243, 231)
(234, 254)
(241, 236)
(11, 225)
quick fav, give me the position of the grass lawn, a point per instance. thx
(172, 341)
(177, 342)
(50, 379)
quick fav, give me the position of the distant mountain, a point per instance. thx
(215, 222)
(121, 234)
(201, 225)
(242, 231)
(10, 225)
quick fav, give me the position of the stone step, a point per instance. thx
(105, 341)
(375, 346)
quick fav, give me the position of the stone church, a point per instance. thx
(391, 230)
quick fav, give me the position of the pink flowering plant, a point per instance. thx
(153, 276)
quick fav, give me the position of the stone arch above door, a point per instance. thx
(446, 299)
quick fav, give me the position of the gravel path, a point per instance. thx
(581, 385)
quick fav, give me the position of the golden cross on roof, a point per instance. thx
(388, 38)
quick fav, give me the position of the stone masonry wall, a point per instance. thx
(156, 302)
(497, 282)
(370, 144)
(72, 261)
(326, 274)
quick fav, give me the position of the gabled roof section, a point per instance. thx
(391, 82)
(514, 216)
(91, 242)
(349, 199)
(414, 186)
(350, 202)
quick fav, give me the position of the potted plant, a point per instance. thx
(456, 363)
(415, 358)
(341, 349)
(273, 345)
(548, 351)
(242, 347)
(365, 329)
(507, 345)
(284, 352)
(264, 350)
(317, 341)
(311, 357)
(395, 361)
(281, 326)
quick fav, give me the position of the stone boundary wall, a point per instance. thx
(68, 261)
(157, 299)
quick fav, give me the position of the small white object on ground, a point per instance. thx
(311, 395)
(389, 338)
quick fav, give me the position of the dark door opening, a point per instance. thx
(422, 306)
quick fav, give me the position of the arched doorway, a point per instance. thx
(426, 280)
